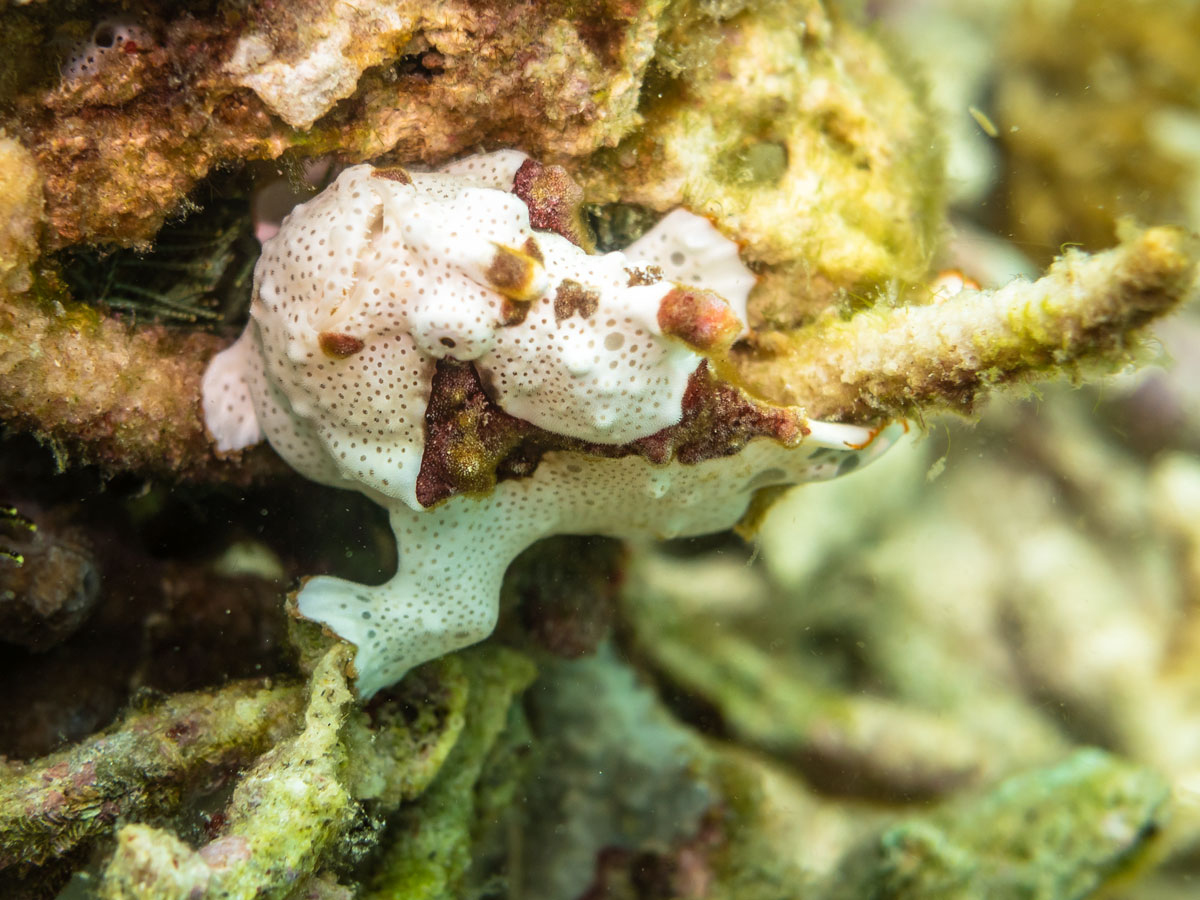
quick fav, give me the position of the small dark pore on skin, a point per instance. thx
(393, 173)
(339, 346)
(641, 275)
(571, 298)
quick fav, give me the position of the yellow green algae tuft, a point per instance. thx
(1059, 832)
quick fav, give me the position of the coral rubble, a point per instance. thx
(674, 255)
(50, 806)
(1039, 818)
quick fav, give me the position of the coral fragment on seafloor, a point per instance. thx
(52, 805)
(949, 352)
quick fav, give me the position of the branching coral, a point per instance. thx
(1012, 841)
(430, 851)
(948, 352)
(288, 814)
(248, 855)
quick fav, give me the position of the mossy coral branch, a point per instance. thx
(264, 849)
(904, 360)
(95, 388)
(1065, 831)
(295, 807)
(138, 768)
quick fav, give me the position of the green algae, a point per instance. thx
(310, 800)
(1098, 114)
(281, 820)
(779, 137)
(139, 767)
(427, 850)
(395, 751)
(1060, 832)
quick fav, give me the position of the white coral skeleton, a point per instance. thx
(369, 284)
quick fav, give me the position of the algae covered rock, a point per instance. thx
(1099, 115)
(799, 136)
(1059, 832)
(421, 81)
(20, 214)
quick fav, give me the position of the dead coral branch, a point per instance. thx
(903, 360)
(51, 805)
(299, 805)
(299, 775)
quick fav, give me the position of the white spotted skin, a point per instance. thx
(690, 250)
(445, 593)
(402, 267)
(612, 377)
(108, 43)
(399, 274)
